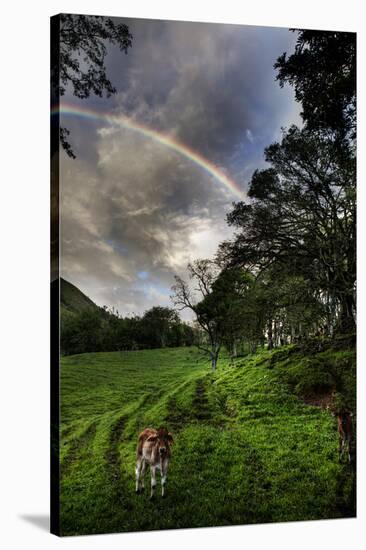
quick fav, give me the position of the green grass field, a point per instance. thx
(247, 449)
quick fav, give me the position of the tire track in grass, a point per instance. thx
(77, 446)
(175, 417)
(121, 489)
(260, 487)
(245, 491)
(179, 416)
(128, 512)
(112, 455)
(200, 405)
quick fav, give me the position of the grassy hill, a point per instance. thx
(72, 300)
(248, 449)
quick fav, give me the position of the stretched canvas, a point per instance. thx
(203, 189)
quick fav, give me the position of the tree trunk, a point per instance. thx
(214, 356)
(275, 334)
(270, 335)
(346, 322)
(292, 335)
(213, 362)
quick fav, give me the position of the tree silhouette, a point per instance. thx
(78, 52)
(322, 71)
(302, 216)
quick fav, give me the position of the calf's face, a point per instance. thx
(163, 439)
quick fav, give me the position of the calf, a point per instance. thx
(345, 433)
(153, 448)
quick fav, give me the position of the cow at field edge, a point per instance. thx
(345, 430)
(153, 448)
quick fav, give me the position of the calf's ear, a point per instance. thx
(152, 438)
(170, 437)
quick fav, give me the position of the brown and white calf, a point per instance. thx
(345, 430)
(153, 448)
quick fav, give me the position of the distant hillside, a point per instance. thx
(72, 300)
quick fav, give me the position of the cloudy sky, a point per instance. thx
(133, 211)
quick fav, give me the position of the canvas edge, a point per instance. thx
(55, 284)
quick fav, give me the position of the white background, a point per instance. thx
(24, 273)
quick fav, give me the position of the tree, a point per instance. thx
(297, 232)
(301, 216)
(223, 304)
(157, 326)
(83, 332)
(291, 305)
(322, 71)
(235, 295)
(78, 58)
(203, 273)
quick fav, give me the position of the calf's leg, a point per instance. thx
(164, 472)
(138, 473)
(153, 481)
(340, 448)
(349, 449)
(142, 474)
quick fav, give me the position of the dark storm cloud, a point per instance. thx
(209, 83)
(122, 218)
(135, 212)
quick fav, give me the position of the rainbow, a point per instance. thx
(164, 139)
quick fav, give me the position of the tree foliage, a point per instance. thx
(297, 232)
(224, 304)
(105, 330)
(159, 326)
(197, 298)
(322, 71)
(302, 217)
(81, 52)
